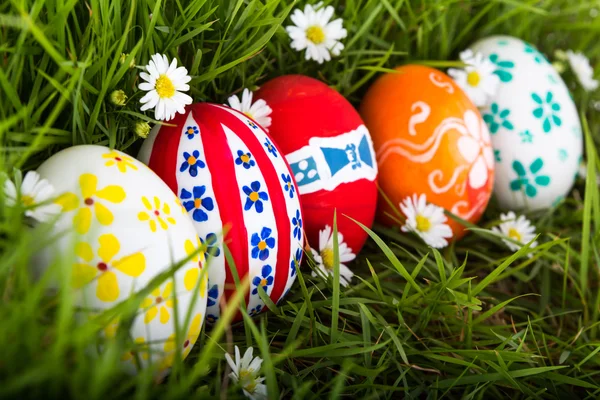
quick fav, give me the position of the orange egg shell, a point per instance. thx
(429, 139)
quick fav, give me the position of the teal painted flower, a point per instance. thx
(529, 181)
(562, 154)
(497, 155)
(497, 118)
(504, 68)
(537, 56)
(526, 137)
(547, 111)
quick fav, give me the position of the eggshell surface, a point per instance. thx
(125, 226)
(330, 152)
(231, 178)
(534, 125)
(429, 139)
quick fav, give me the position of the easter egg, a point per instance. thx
(330, 152)
(233, 180)
(126, 227)
(430, 139)
(534, 126)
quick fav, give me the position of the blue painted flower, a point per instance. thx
(192, 162)
(261, 244)
(297, 222)
(213, 294)
(244, 159)
(546, 110)
(195, 201)
(211, 319)
(295, 263)
(265, 279)
(251, 124)
(256, 310)
(288, 185)
(212, 246)
(270, 147)
(529, 183)
(497, 118)
(254, 197)
(191, 130)
(503, 68)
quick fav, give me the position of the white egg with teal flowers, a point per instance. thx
(535, 128)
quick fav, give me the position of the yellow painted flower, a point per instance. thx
(193, 274)
(158, 301)
(90, 199)
(155, 214)
(120, 160)
(105, 268)
(141, 350)
(188, 342)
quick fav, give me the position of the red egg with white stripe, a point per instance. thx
(230, 177)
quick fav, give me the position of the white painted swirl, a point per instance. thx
(418, 118)
(447, 86)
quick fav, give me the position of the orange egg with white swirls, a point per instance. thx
(429, 139)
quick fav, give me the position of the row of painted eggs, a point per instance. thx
(214, 171)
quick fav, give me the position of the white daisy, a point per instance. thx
(245, 372)
(33, 192)
(258, 111)
(426, 220)
(518, 229)
(324, 258)
(583, 70)
(313, 31)
(477, 79)
(164, 84)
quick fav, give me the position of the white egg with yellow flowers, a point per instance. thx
(125, 226)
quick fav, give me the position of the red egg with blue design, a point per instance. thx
(230, 177)
(330, 153)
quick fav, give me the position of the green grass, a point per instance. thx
(472, 321)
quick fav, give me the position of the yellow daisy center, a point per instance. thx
(515, 234)
(262, 245)
(423, 223)
(253, 196)
(327, 256)
(27, 200)
(164, 87)
(245, 158)
(473, 78)
(247, 114)
(246, 377)
(315, 34)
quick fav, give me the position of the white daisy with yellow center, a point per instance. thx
(35, 195)
(313, 31)
(259, 111)
(245, 372)
(519, 229)
(426, 220)
(165, 84)
(477, 79)
(582, 69)
(324, 257)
